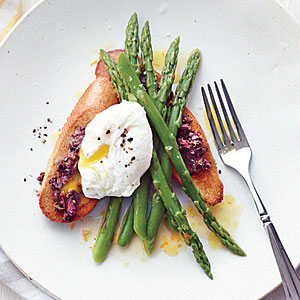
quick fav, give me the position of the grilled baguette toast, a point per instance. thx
(99, 96)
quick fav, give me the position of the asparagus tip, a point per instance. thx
(102, 51)
(146, 26)
(196, 51)
(134, 16)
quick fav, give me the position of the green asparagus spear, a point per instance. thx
(104, 239)
(147, 61)
(140, 199)
(171, 203)
(156, 214)
(117, 81)
(167, 76)
(172, 150)
(167, 79)
(105, 236)
(182, 91)
(175, 111)
(122, 91)
(132, 43)
(140, 207)
(122, 88)
(126, 233)
(102, 242)
(180, 99)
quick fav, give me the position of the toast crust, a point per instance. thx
(207, 181)
(98, 96)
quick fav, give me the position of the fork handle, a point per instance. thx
(290, 279)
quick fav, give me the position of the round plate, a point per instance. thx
(253, 46)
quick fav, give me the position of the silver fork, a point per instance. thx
(235, 152)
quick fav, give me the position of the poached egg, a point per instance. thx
(116, 151)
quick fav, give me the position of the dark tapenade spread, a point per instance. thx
(66, 168)
(191, 147)
(40, 178)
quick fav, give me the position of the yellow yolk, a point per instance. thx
(85, 162)
(73, 184)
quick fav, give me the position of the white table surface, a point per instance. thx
(293, 6)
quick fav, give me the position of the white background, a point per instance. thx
(293, 6)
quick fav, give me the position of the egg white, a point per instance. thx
(128, 158)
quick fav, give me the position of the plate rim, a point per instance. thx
(24, 16)
(8, 35)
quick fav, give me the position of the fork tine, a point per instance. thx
(211, 121)
(231, 131)
(233, 113)
(224, 133)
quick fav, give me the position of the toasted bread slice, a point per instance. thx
(98, 96)
(207, 181)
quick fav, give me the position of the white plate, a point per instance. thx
(253, 45)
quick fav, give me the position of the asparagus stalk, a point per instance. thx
(123, 94)
(170, 146)
(141, 195)
(175, 111)
(126, 233)
(156, 214)
(182, 91)
(117, 81)
(147, 59)
(105, 236)
(140, 204)
(171, 203)
(167, 77)
(175, 114)
(140, 198)
(132, 43)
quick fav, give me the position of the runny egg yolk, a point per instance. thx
(85, 162)
(73, 184)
